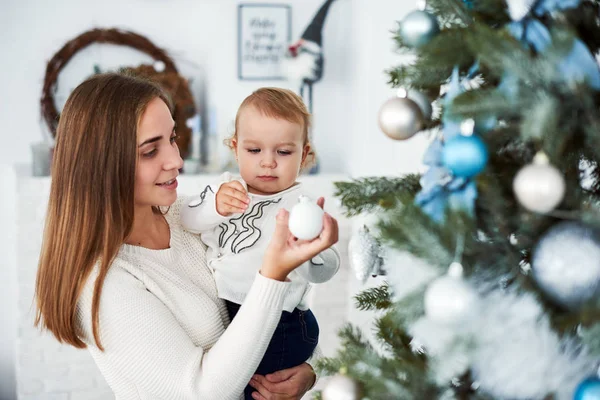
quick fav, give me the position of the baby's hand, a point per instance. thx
(232, 198)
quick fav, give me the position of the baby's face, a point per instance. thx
(269, 151)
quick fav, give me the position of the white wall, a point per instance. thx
(8, 284)
(371, 152)
(201, 35)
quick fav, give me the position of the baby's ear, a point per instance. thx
(305, 153)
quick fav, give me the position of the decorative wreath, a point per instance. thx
(163, 71)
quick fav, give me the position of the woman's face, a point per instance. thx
(158, 157)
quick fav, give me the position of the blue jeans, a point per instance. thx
(293, 342)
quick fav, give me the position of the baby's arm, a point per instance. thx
(214, 205)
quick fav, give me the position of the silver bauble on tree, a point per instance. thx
(566, 263)
(418, 28)
(365, 254)
(422, 101)
(342, 387)
(400, 118)
(449, 299)
(539, 186)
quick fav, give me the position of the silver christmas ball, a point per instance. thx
(539, 186)
(341, 387)
(449, 299)
(423, 102)
(364, 253)
(418, 28)
(566, 263)
(400, 118)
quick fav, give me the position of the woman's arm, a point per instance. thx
(145, 345)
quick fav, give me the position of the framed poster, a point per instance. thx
(264, 32)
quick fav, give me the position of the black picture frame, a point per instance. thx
(264, 32)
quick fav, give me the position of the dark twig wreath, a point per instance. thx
(168, 77)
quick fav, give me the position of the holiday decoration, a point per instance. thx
(465, 155)
(440, 189)
(306, 219)
(588, 389)
(400, 118)
(303, 62)
(422, 101)
(418, 28)
(365, 254)
(522, 77)
(341, 387)
(162, 70)
(539, 186)
(449, 299)
(565, 263)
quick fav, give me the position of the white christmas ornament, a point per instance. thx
(306, 219)
(539, 186)
(565, 263)
(341, 387)
(364, 252)
(449, 299)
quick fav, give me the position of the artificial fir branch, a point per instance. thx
(486, 102)
(408, 228)
(377, 298)
(373, 194)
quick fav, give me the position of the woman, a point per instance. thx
(119, 275)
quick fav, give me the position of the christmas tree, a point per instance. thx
(505, 219)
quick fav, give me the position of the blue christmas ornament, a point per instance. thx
(441, 190)
(588, 389)
(465, 156)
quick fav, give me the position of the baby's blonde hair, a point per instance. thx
(278, 103)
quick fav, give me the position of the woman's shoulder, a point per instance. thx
(119, 284)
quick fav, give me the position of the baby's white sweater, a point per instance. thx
(237, 243)
(163, 327)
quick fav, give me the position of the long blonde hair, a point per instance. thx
(91, 206)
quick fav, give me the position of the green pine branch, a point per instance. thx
(435, 62)
(374, 194)
(483, 103)
(408, 228)
(378, 298)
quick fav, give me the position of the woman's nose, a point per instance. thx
(173, 159)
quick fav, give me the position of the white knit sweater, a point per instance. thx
(163, 327)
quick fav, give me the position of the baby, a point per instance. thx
(236, 218)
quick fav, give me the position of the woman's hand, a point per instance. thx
(287, 384)
(285, 252)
